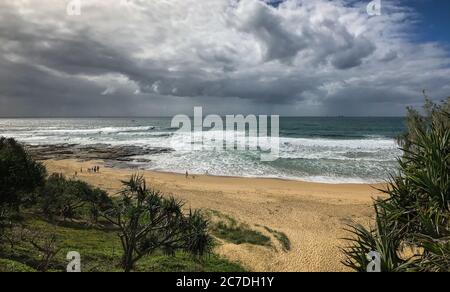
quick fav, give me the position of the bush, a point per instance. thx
(413, 223)
(99, 202)
(67, 198)
(20, 175)
(148, 222)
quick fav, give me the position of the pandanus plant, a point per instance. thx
(412, 230)
(147, 221)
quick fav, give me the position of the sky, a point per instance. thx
(434, 20)
(163, 57)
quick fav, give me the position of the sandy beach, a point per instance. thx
(312, 215)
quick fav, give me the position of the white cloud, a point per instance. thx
(329, 54)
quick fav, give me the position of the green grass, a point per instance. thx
(227, 228)
(281, 237)
(101, 251)
(239, 234)
(7, 266)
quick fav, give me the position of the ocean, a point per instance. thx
(329, 150)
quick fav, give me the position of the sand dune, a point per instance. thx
(312, 215)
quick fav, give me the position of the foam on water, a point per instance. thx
(303, 156)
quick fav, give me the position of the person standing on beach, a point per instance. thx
(187, 174)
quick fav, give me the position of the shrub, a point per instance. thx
(20, 175)
(413, 224)
(98, 202)
(148, 222)
(66, 198)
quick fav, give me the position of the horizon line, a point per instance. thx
(153, 117)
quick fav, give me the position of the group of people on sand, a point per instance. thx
(95, 169)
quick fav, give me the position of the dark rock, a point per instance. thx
(92, 152)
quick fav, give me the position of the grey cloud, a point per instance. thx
(254, 54)
(391, 55)
(263, 22)
(353, 56)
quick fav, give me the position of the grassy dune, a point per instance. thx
(100, 252)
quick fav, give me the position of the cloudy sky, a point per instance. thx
(163, 57)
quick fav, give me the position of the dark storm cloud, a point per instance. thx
(153, 57)
(353, 56)
(266, 25)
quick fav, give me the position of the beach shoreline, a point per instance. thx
(312, 215)
(127, 157)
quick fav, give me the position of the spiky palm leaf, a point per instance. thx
(416, 214)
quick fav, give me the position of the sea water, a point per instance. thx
(325, 149)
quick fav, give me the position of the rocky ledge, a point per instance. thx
(94, 152)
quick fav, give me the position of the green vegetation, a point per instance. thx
(239, 234)
(13, 266)
(281, 237)
(20, 177)
(227, 228)
(148, 222)
(42, 219)
(412, 231)
(100, 250)
(72, 199)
